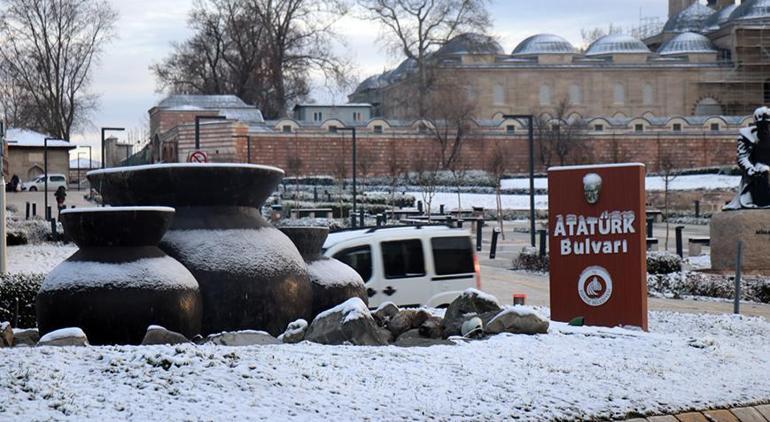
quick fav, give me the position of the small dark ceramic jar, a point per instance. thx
(333, 282)
(119, 282)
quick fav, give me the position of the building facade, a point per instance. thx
(26, 154)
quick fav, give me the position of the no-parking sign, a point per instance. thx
(198, 157)
(598, 245)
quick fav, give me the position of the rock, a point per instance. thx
(517, 320)
(72, 336)
(432, 328)
(412, 338)
(242, 338)
(750, 226)
(159, 335)
(406, 320)
(25, 337)
(385, 312)
(385, 334)
(350, 322)
(472, 328)
(6, 334)
(295, 332)
(471, 303)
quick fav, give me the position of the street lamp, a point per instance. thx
(3, 255)
(529, 118)
(79, 154)
(105, 129)
(198, 128)
(248, 146)
(45, 174)
(353, 131)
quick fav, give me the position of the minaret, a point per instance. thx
(676, 6)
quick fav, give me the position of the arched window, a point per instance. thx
(545, 95)
(619, 93)
(499, 95)
(708, 107)
(575, 94)
(767, 92)
(648, 95)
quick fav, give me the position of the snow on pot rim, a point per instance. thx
(187, 185)
(117, 226)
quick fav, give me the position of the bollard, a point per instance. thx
(738, 259)
(543, 236)
(493, 247)
(650, 221)
(378, 218)
(479, 233)
(449, 221)
(679, 248)
(441, 209)
(27, 211)
(48, 214)
(419, 207)
(353, 220)
(328, 197)
(361, 218)
(34, 209)
(53, 228)
(519, 299)
(460, 223)
(385, 218)
(697, 209)
(315, 193)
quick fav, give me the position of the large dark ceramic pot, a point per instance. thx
(333, 282)
(250, 274)
(119, 282)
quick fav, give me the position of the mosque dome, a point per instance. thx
(543, 44)
(687, 43)
(751, 10)
(715, 21)
(690, 19)
(471, 43)
(616, 44)
(403, 70)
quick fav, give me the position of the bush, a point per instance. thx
(663, 263)
(17, 298)
(530, 260)
(693, 283)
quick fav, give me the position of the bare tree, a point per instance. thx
(49, 49)
(395, 171)
(261, 50)
(366, 159)
(294, 165)
(427, 165)
(668, 172)
(496, 165)
(560, 137)
(592, 34)
(413, 28)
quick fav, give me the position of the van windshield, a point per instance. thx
(452, 255)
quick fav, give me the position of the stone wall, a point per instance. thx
(29, 162)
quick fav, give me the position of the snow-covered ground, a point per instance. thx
(40, 258)
(488, 201)
(652, 183)
(685, 362)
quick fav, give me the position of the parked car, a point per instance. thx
(409, 265)
(38, 183)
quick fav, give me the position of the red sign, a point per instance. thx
(598, 244)
(198, 157)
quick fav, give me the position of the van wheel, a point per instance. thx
(33, 189)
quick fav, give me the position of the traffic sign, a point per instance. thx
(198, 157)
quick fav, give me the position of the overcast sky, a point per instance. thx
(147, 28)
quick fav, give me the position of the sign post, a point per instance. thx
(598, 244)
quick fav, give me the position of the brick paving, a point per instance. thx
(760, 413)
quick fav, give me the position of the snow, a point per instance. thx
(72, 332)
(351, 309)
(37, 258)
(481, 295)
(333, 273)
(652, 183)
(294, 328)
(595, 166)
(574, 373)
(701, 262)
(184, 165)
(151, 273)
(488, 201)
(518, 310)
(30, 138)
(116, 209)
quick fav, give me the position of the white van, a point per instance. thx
(409, 265)
(38, 183)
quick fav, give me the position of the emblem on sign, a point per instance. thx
(592, 187)
(595, 286)
(198, 157)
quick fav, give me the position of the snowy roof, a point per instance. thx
(616, 44)
(30, 138)
(543, 44)
(198, 102)
(687, 43)
(249, 115)
(689, 19)
(333, 105)
(715, 21)
(471, 43)
(404, 69)
(752, 9)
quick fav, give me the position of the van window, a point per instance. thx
(358, 258)
(403, 259)
(57, 178)
(452, 255)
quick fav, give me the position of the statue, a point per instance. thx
(754, 161)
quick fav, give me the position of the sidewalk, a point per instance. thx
(739, 414)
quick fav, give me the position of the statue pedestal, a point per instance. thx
(752, 226)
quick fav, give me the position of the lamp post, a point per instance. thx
(248, 146)
(104, 130)
(198, 128)
(45, 175)
(79, 154)
(3, 258)
(530, 131)
(353, 131)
